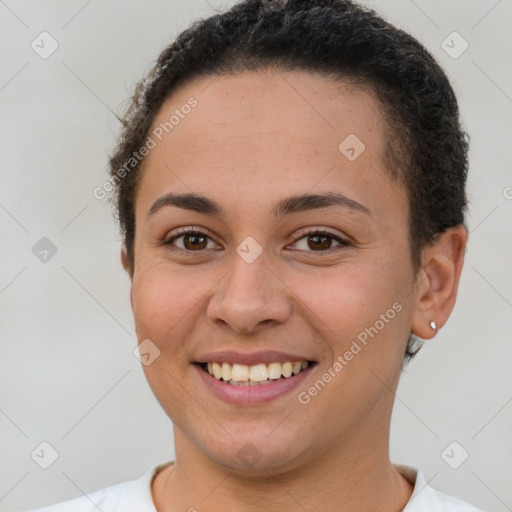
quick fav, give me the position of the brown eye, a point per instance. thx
(320, 241)
(192, 241)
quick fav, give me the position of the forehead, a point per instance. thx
(266, 131)
(261, 103)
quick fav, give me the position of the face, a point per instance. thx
(265, 270)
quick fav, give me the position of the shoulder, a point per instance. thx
(107, 499)
(129, 496)
(427, 499)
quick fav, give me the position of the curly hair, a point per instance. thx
(426, 148)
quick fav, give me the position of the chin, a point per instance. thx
(256, 452)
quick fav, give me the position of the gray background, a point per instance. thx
(68, 375)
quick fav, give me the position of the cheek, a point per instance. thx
(348, 298)
(360, 315)
(164, 302)
(165, 310)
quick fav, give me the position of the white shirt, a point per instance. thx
(135, 496)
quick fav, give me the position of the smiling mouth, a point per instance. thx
(256, 375)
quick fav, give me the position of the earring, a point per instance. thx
(433, 325)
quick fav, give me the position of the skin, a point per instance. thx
(253, 140)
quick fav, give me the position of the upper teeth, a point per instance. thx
(256, 373)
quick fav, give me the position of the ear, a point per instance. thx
(438, 280)
(124, 258)
(127, 267)
(126, 262)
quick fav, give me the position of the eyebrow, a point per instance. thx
(288, 206)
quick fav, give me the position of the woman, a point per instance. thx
(290, 187)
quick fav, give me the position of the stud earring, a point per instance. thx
(433, 325)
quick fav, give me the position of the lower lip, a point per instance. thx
(248, 395)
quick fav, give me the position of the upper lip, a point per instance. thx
(250, 358)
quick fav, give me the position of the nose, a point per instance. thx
(249, 297)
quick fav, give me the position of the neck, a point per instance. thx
(355, 474)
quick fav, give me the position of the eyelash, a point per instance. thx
(193, 232)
